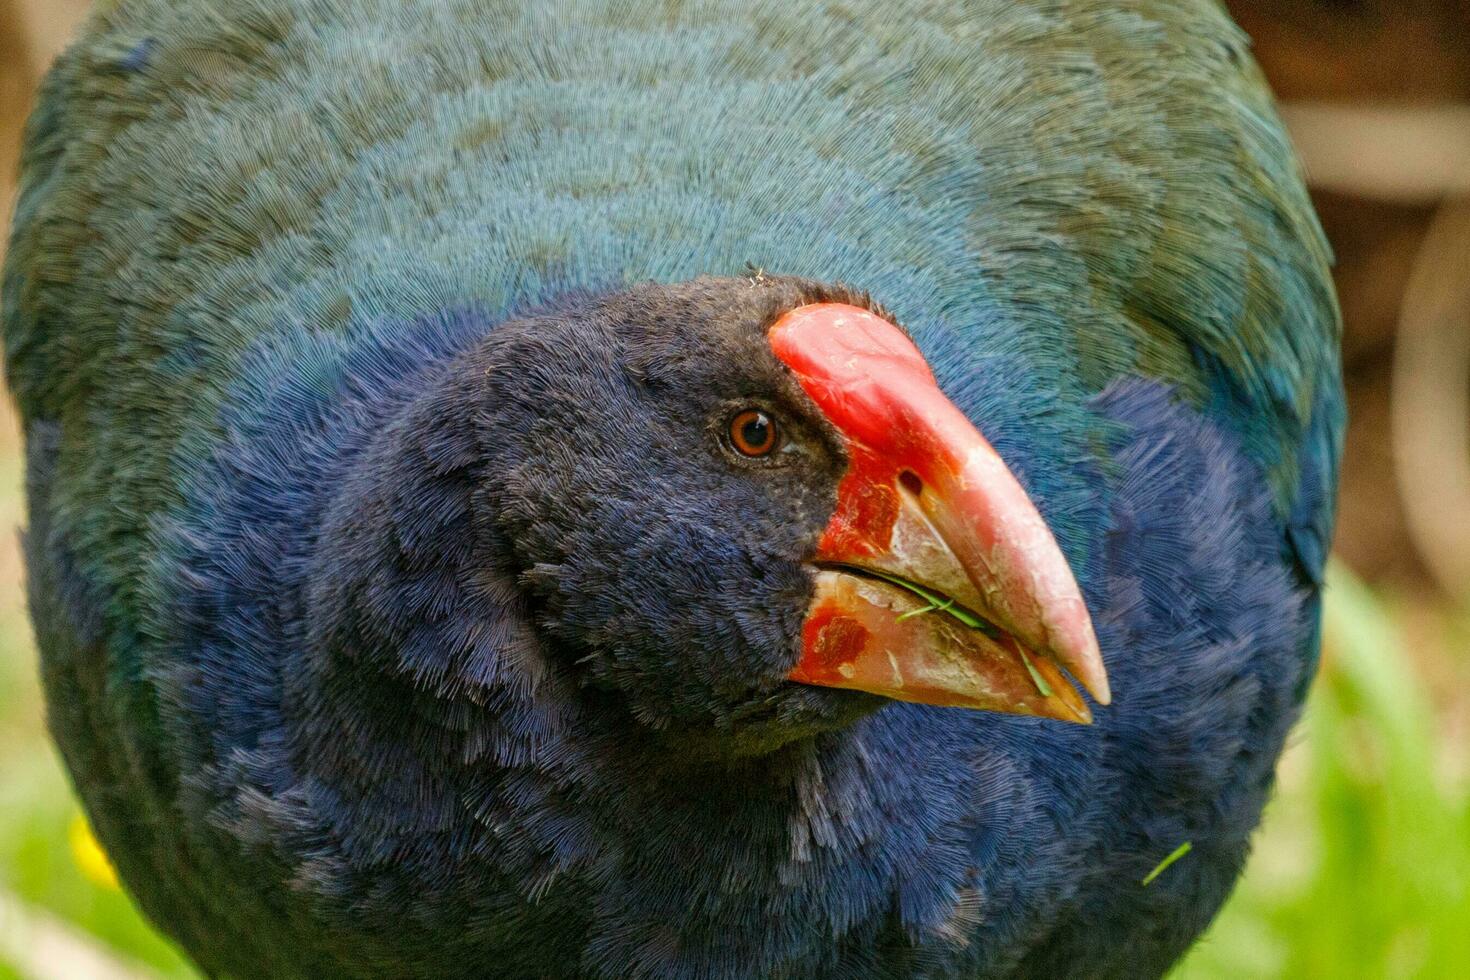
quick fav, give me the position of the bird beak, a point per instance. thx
(938, 581)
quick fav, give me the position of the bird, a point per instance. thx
(700, 489)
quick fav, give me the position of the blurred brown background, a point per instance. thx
(1393, 157)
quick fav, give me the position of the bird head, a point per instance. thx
(739, 501)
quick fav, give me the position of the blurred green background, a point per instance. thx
(1362, 867)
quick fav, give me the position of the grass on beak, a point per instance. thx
(1036, 678)
(945, 604)
(1174, 855)
(937, 603)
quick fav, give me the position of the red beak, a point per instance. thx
(939, 581)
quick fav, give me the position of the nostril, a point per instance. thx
(910, 481)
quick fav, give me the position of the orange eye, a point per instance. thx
(753, 432)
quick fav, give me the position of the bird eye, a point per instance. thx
(753, 432)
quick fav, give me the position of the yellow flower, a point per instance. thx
(89, 855)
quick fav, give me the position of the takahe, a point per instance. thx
(615, 489)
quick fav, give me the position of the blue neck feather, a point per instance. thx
(920, 839)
